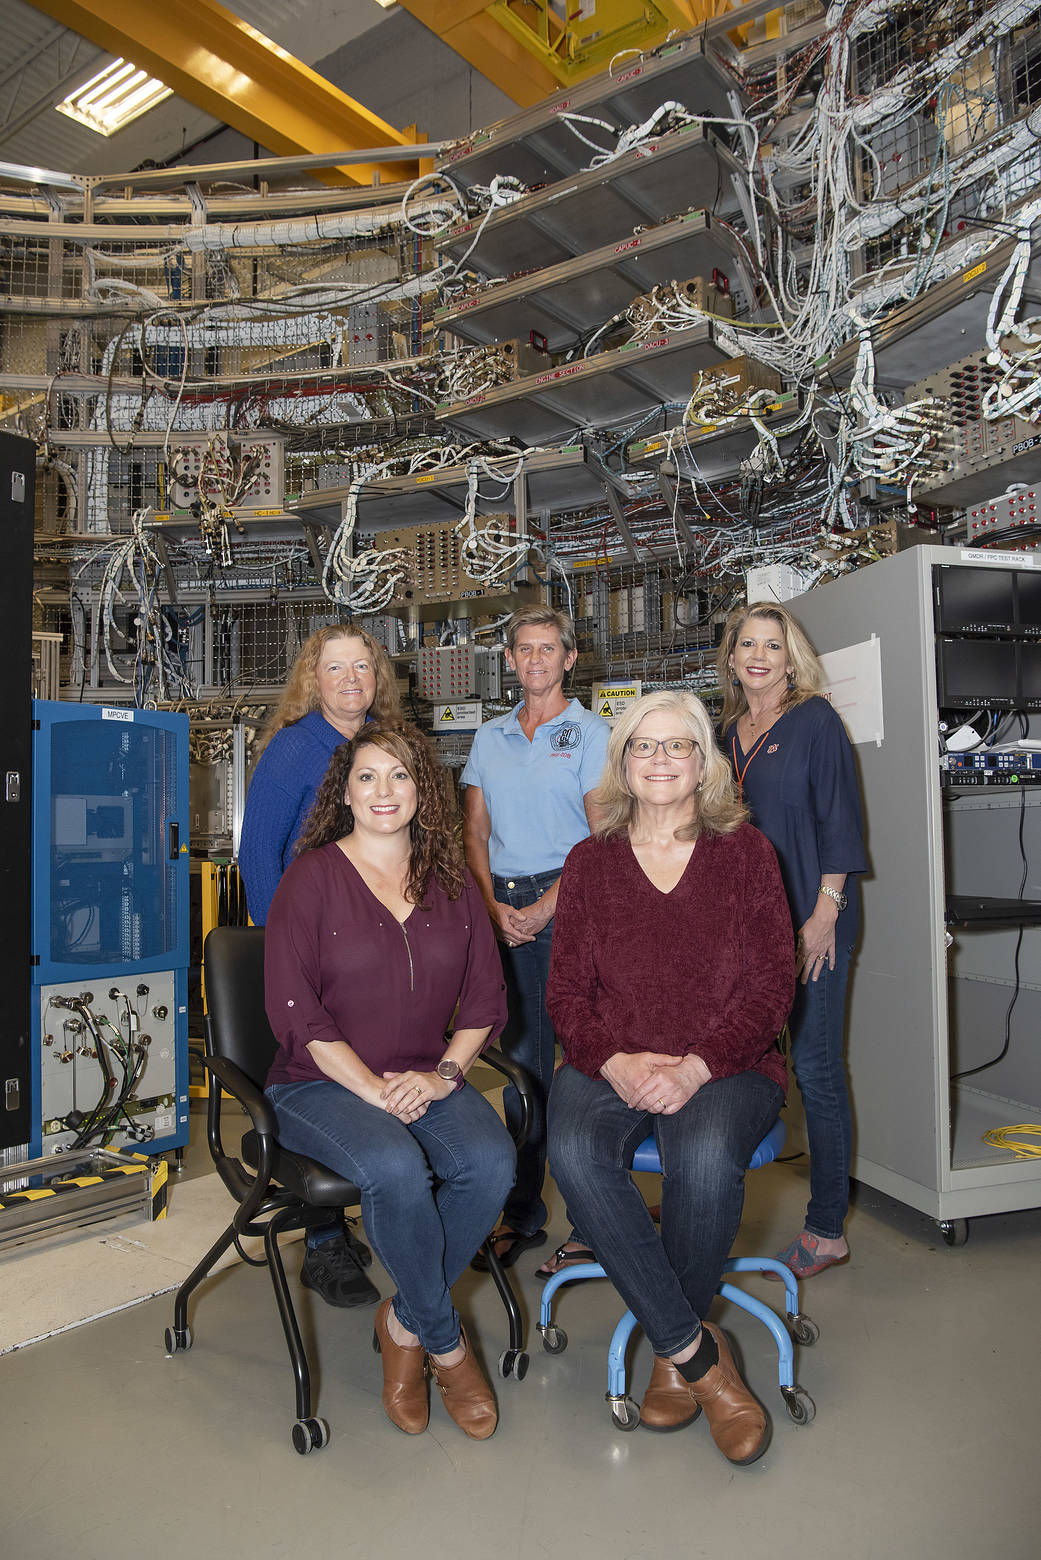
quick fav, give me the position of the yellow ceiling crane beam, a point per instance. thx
(530, 48)
(217, 62)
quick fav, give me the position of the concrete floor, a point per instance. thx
(925, 1444)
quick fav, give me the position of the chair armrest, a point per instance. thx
(256, 1105)
(523, 1083)
(249, 1189)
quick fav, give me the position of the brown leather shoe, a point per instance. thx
(669, 1402)
(405, 1400)
(737, 1421)
(467, 1395)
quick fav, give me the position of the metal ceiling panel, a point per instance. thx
(213, 60)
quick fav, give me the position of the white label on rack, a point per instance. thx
(110, 714)
(1003, 559)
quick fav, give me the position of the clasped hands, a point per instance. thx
(655, 1081)
(408, 1095)
(513, 926)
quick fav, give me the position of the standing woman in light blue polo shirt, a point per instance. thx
(528, 783)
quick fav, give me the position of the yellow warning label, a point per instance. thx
(448, 713)
(977, 270)
(610, 699)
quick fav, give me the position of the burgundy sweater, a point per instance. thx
(338, 966)
(708, 968)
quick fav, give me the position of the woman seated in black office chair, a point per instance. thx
(673, 970)
(376, 936)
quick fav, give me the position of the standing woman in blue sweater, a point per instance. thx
(341, 677)
(794, 767)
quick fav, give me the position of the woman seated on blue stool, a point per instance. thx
(673, 972)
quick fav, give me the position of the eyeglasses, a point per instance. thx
(674, 747)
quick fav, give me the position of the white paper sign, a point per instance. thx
(853, 685)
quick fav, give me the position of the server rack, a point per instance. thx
(17, 487)
(930, 993)
(110, 931)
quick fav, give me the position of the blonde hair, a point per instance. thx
(806, 679)
(717, 809)
(300, 694)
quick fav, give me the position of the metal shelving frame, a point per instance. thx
(579, 293)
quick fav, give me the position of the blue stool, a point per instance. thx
(626, 1413)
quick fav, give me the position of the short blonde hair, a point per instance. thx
(807, 677)
(300, 694)
(717, 809)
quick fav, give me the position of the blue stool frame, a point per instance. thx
(624, 1411)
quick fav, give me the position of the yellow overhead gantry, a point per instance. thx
(530, 48)
(220, 64)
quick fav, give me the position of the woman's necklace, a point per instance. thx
(755, 722)
(760, 739)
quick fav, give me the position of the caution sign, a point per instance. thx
(611, 699)
(466, 716)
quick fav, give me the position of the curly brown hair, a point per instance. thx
(300, 694)
(435, 844)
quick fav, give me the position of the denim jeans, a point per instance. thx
(816, 1026)
(430, 1191)
(530, 1040)
(666, 1280)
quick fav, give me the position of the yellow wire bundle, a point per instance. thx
(1001, 1137)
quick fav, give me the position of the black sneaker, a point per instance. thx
(362, 1254)
(333, 1271)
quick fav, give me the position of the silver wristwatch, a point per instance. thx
(833, 893)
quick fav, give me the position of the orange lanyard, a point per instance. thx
(740, 773)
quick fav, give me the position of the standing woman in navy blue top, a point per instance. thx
(794, 766)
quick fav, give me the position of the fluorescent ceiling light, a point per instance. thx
(386, 4)
(113, 98)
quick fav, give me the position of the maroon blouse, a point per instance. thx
(708, 968)
(339, 966)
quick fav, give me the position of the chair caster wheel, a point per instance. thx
(310, 1435)
(554, 1339)
(513, 1362)
(177, 1342)
(802, 1410)
(804, 1330)
(625, 1413)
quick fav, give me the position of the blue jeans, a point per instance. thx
(430, 1192)
(666, 1280)
(530, 1040)
(816, 1026)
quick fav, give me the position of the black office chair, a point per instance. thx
(277, 1190)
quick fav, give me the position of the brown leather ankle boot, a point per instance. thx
(736, 1419)
(466, 1393)
(668, 1403)
(405, 1400)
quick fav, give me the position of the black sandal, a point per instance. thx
(518, 1244)
(564, 1259)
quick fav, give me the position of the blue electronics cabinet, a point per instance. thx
(109, 928)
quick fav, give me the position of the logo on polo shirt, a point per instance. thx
(564, 738)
